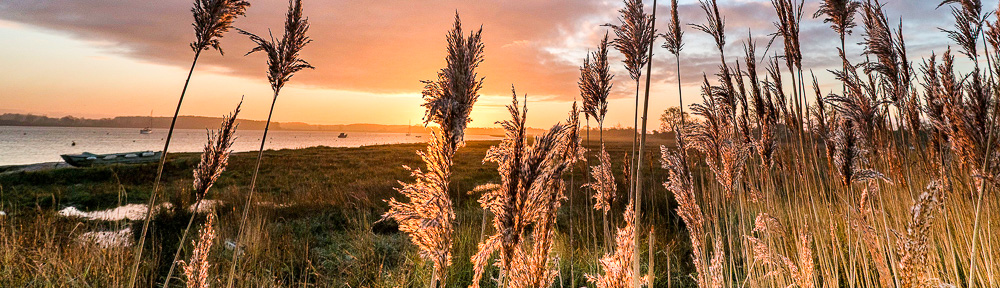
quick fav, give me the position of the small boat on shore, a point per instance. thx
(342, 135)
(87, 159)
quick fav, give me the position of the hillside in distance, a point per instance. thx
(201, 122)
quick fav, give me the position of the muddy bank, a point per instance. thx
(33, 167)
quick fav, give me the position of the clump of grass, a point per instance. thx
(429, 217)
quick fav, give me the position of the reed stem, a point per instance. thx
(253, 185)
(159, 173)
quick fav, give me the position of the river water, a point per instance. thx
(29, 145)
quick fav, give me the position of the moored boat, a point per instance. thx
(87, 159)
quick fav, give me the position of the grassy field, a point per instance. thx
(315, 222)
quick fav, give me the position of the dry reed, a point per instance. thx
(283, 61)
(214, 160)
(196, 268)
(525, 204)
(212, 19)
(428, 218)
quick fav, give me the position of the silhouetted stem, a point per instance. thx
(253, 185)
(159, 174)
(638, 161)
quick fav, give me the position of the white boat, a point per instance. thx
(148, 129)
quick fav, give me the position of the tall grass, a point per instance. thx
(212, 19)
(595, 87)
(214, 160)
(283, 61)
(877, 226)
(526, 202)
(428, 217)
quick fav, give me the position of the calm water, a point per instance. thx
(28, 145)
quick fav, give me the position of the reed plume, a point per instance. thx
(968, 25)
(674, 34)
(860, 102)
(633, 36)
(617, 264)
(933, 108)
(913, 246)
(892, 69)
(848, 154)
(801, 271)
(777, 91)
(212, 19)
(214, 160)
(789, 16)
(605, 188)
(840, 15)
(765, 113)
(680, 183)
(716, 26)
(283, 61)
(716, 137)
(595, 83)
(822, 128)
(525, 205)
(428, 218)
(674, 44)
(196, 268)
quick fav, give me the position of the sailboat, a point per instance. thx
(409, 125)
(148, 128)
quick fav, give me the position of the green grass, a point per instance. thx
(320, 230)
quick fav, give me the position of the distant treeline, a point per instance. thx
(199, 122)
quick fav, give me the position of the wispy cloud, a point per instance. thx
(388, 46)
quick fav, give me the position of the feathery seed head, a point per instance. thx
(212, 19)
(450, 98)
(283, 54)
(633, 36)
(215, 158)
(674, 33)
(196, 269)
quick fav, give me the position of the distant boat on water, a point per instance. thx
(342, 135)
(148, 128)
(87, 159)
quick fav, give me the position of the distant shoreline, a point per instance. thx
(201, 122)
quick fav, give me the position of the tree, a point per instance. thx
(672, 117)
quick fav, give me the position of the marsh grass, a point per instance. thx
(852, 201)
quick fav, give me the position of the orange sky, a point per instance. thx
(103, 58)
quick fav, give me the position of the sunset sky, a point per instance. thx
(104, 58)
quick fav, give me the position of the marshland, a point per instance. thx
(869, 160)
